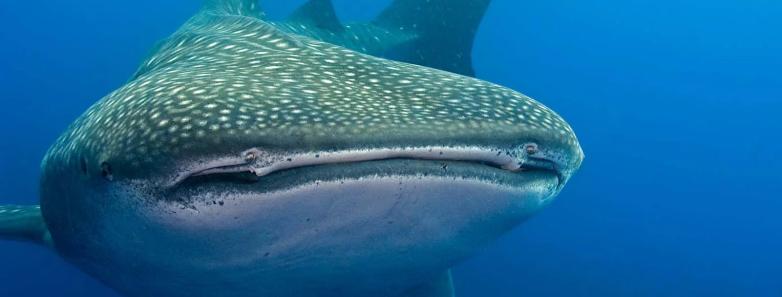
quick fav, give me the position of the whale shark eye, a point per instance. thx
(105, 171)
(83, 165)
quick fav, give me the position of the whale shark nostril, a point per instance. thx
(250, 157)
(531, 149)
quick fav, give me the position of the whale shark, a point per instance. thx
(302, 157)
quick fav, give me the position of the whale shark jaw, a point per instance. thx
(369, 222)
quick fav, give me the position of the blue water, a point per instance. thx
(678, 105)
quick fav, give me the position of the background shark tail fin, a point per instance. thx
(249, 8)
(445, 31)
(23, 223)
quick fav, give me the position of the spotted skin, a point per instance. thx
(224, 83)
(366, 38)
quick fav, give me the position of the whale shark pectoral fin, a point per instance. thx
(318, 13)
(249, 8)
(23, 223)
(445, 31)
(440, 287)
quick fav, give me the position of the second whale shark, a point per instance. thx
(252, 158)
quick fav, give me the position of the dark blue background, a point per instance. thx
(677, 105)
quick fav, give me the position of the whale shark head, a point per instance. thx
(241, 158)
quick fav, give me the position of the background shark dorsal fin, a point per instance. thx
(249, 8)
(318, 13)
(432, 33)
(445, 31)
(23, 223)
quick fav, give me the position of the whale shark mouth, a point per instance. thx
(255, 165)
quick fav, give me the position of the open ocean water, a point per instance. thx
(677, 104)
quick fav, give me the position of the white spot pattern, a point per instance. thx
(224, 80)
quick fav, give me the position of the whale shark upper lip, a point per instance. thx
(262, 163)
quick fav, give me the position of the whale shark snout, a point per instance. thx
(241, 159)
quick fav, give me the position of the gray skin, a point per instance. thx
(244, 160)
